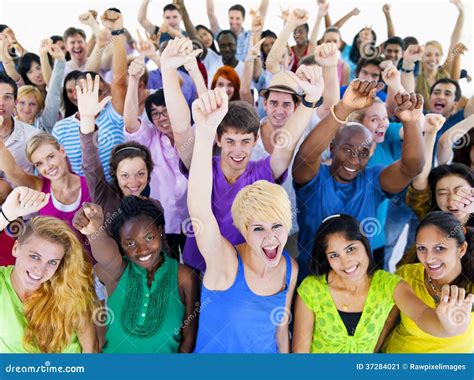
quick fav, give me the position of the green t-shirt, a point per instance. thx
(330, 334)
(13, 321)
(133, 326)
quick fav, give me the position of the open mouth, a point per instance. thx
(144, 259)
(52, 173)
(350, 170)
(439, 106)
(33, 277)
(271, 252)
(238, 159)
(351, 270)
(379, 133)
(434, 267)
(134, 190)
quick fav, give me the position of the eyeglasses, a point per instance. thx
(156, 115)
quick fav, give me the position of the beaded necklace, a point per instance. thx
(157, 301)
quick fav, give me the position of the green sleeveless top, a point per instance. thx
(142, 319)
(13, 322)
(330, 334)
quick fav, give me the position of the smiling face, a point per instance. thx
(431, 58)
(369, 72)
(279, 106)
(351, 153)
(34, 75)
(300, 35)
(132, 176)
(140, 239)
(205, 37)
(27, 108)
(76, 46)
(267, 241)
(160, 119)
(227, 47)
(376, 121)
(439, 254)
(348, 258)
(227, 85)
(236, 149)
(442, 99)
(267, 45)
(172, 18)
(236, 20)
(446, 187)
(50, 162)
(393, 52)
(37, 260)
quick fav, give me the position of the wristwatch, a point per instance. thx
(118, 32)
(308, 104)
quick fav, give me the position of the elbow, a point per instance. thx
(413, 167)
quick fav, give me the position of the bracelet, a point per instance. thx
(118, 32)
(335, 117)
(3, 213)
(308, 104)
(406, 71)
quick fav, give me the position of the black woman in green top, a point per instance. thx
(153, 304)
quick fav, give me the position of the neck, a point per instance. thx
(354, 287)
(63, 183)
(448, 279)
(232, 62)
(20, 290)
(230, 174)
(252, 260)
(79, 62)
(7, 127)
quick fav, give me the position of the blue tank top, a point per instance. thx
(237, 320)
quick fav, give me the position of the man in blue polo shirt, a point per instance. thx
(347, 186)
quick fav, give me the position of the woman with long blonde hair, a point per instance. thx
(47, 298)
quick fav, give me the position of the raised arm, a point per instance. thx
(130, 113)
(7, 60)
(211, 14)
(20, 202)
(438, 322)
(433, 123)
(177, 53)
(455, 36)
(89, 18)
(339, 23)
(310, 80)
(359, 94)
(313, 40)
(50, 114)
(398, 175)
(450, 138)
(15, 172)
(193, 70)
(188, 24)
(326, 55)
(392, 78)
(296, 18)
(89, 220)
(143, 19)
(388, 20)
(208, 112)
(253, 58)
(412, 54)
(44, 59)
(103, 40)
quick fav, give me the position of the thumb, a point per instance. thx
(104, 102)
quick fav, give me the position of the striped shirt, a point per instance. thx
(110, 125)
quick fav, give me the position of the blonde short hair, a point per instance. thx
(263, 201)
(32, 90)
(37, 140)
(436, 44)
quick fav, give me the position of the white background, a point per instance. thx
(426, 20)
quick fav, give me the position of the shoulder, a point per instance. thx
(409, 271)
(186, 276)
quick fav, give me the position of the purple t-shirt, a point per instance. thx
(223, 195)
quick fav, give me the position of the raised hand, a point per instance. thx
(355, 11)
(323, 9)
(413, 53)
(23, 201)
(9, 35)
(257, 22)
(112, 20)
(56, 52)
(88, 97)
(254, 51)
(409, 107)
(145, 47)
(310, 80)
(454, 309)
(433, 123)
(463, 200)
(88, 219)
(137, 68)
(386, 8)
(44, 45)
(285, 14)
(459, 5)
(210, 108)
(360, 94)
(390, 75)
(298, 17)
(327, 55)
(177, 53)
(89, 18)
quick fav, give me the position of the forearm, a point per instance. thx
(339, 23)
(88, 339)
(214, 23)
(445, 149)
(455, 39)
(130, 112)
(413, 154)
(390, 27)
(45, 67)
(106, 253)
(263, 9)
(246, 81)
(53, 97)
(188, 25)
(142, 18)
(330, 92)
(90, 46)
(313, 40)
(420, 182)
(455, 71)
(283, 340)
(278, 49)
(10, 70)
(178, 109)
(257, 69)
(119, 70)
(198, 80)
(94, 60)
(428, 322)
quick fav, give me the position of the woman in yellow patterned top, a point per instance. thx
(344, 306)
(444, 248)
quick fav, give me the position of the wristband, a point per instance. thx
(406, 71)
(118, 32)
(308, 104)
(1, 212)
(335, 117)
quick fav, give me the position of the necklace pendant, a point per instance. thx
(344, 307)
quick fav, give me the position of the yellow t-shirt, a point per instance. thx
(13, 321)
(409, 338)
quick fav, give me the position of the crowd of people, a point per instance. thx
(212, 189)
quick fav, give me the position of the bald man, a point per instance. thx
(347, 186)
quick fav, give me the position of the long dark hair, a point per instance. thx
(213, 45)
(69, 107)
(345, 225)
(449, 225)
(24, 65)
(130, 149)
(442, 171)
(354, 54)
